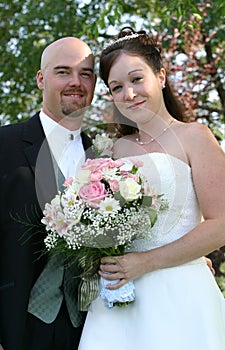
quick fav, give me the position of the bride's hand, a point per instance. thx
(123, 268)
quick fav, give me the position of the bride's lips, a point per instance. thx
(136, 104)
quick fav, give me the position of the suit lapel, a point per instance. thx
(39, 157)
(87, 143)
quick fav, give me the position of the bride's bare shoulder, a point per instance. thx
(195, 133)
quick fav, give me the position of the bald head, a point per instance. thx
(66, 77)
(65, 46)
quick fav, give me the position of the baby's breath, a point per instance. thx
(101, 211)
(122, 214)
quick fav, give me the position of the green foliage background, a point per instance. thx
(27, 26)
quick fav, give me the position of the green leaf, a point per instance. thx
(111, 20)
(153, 216)
(134, 169)
(119, 198)
(147, 201)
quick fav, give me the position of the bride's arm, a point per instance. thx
(210, 265)
(207, 161)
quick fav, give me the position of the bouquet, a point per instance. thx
(101, 212)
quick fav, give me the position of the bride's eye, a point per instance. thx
(116, 88)
(136, 79)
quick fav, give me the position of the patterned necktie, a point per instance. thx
(46, 295)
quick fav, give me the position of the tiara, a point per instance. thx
(123, 38)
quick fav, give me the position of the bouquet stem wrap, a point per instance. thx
(88, 291)
(89, 285)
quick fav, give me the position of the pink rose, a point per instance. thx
(96, 164)
(93, 193)
(137, 162)
(116, 163)
(96, 176)
(127, 174)
(114, 185)
(132, 176)
(123, 172)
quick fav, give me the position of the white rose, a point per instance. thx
(83, 177)
(129, 189)
(103, 144)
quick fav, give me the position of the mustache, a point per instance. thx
(73, 91)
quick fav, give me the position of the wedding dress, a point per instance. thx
(179, 308)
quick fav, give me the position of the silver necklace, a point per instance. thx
(154, 138)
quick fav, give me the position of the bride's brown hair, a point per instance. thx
(137, 44)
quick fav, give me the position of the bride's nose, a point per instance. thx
(129, 93)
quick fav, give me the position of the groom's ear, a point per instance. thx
(40, 80)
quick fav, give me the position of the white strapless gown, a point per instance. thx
(179, 308)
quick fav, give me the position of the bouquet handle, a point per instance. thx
(118, 297)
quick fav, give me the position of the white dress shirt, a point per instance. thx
(66, 146)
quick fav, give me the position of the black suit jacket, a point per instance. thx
(27, 182)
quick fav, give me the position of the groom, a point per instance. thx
(35, 158)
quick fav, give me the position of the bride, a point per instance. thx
(178, 304)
